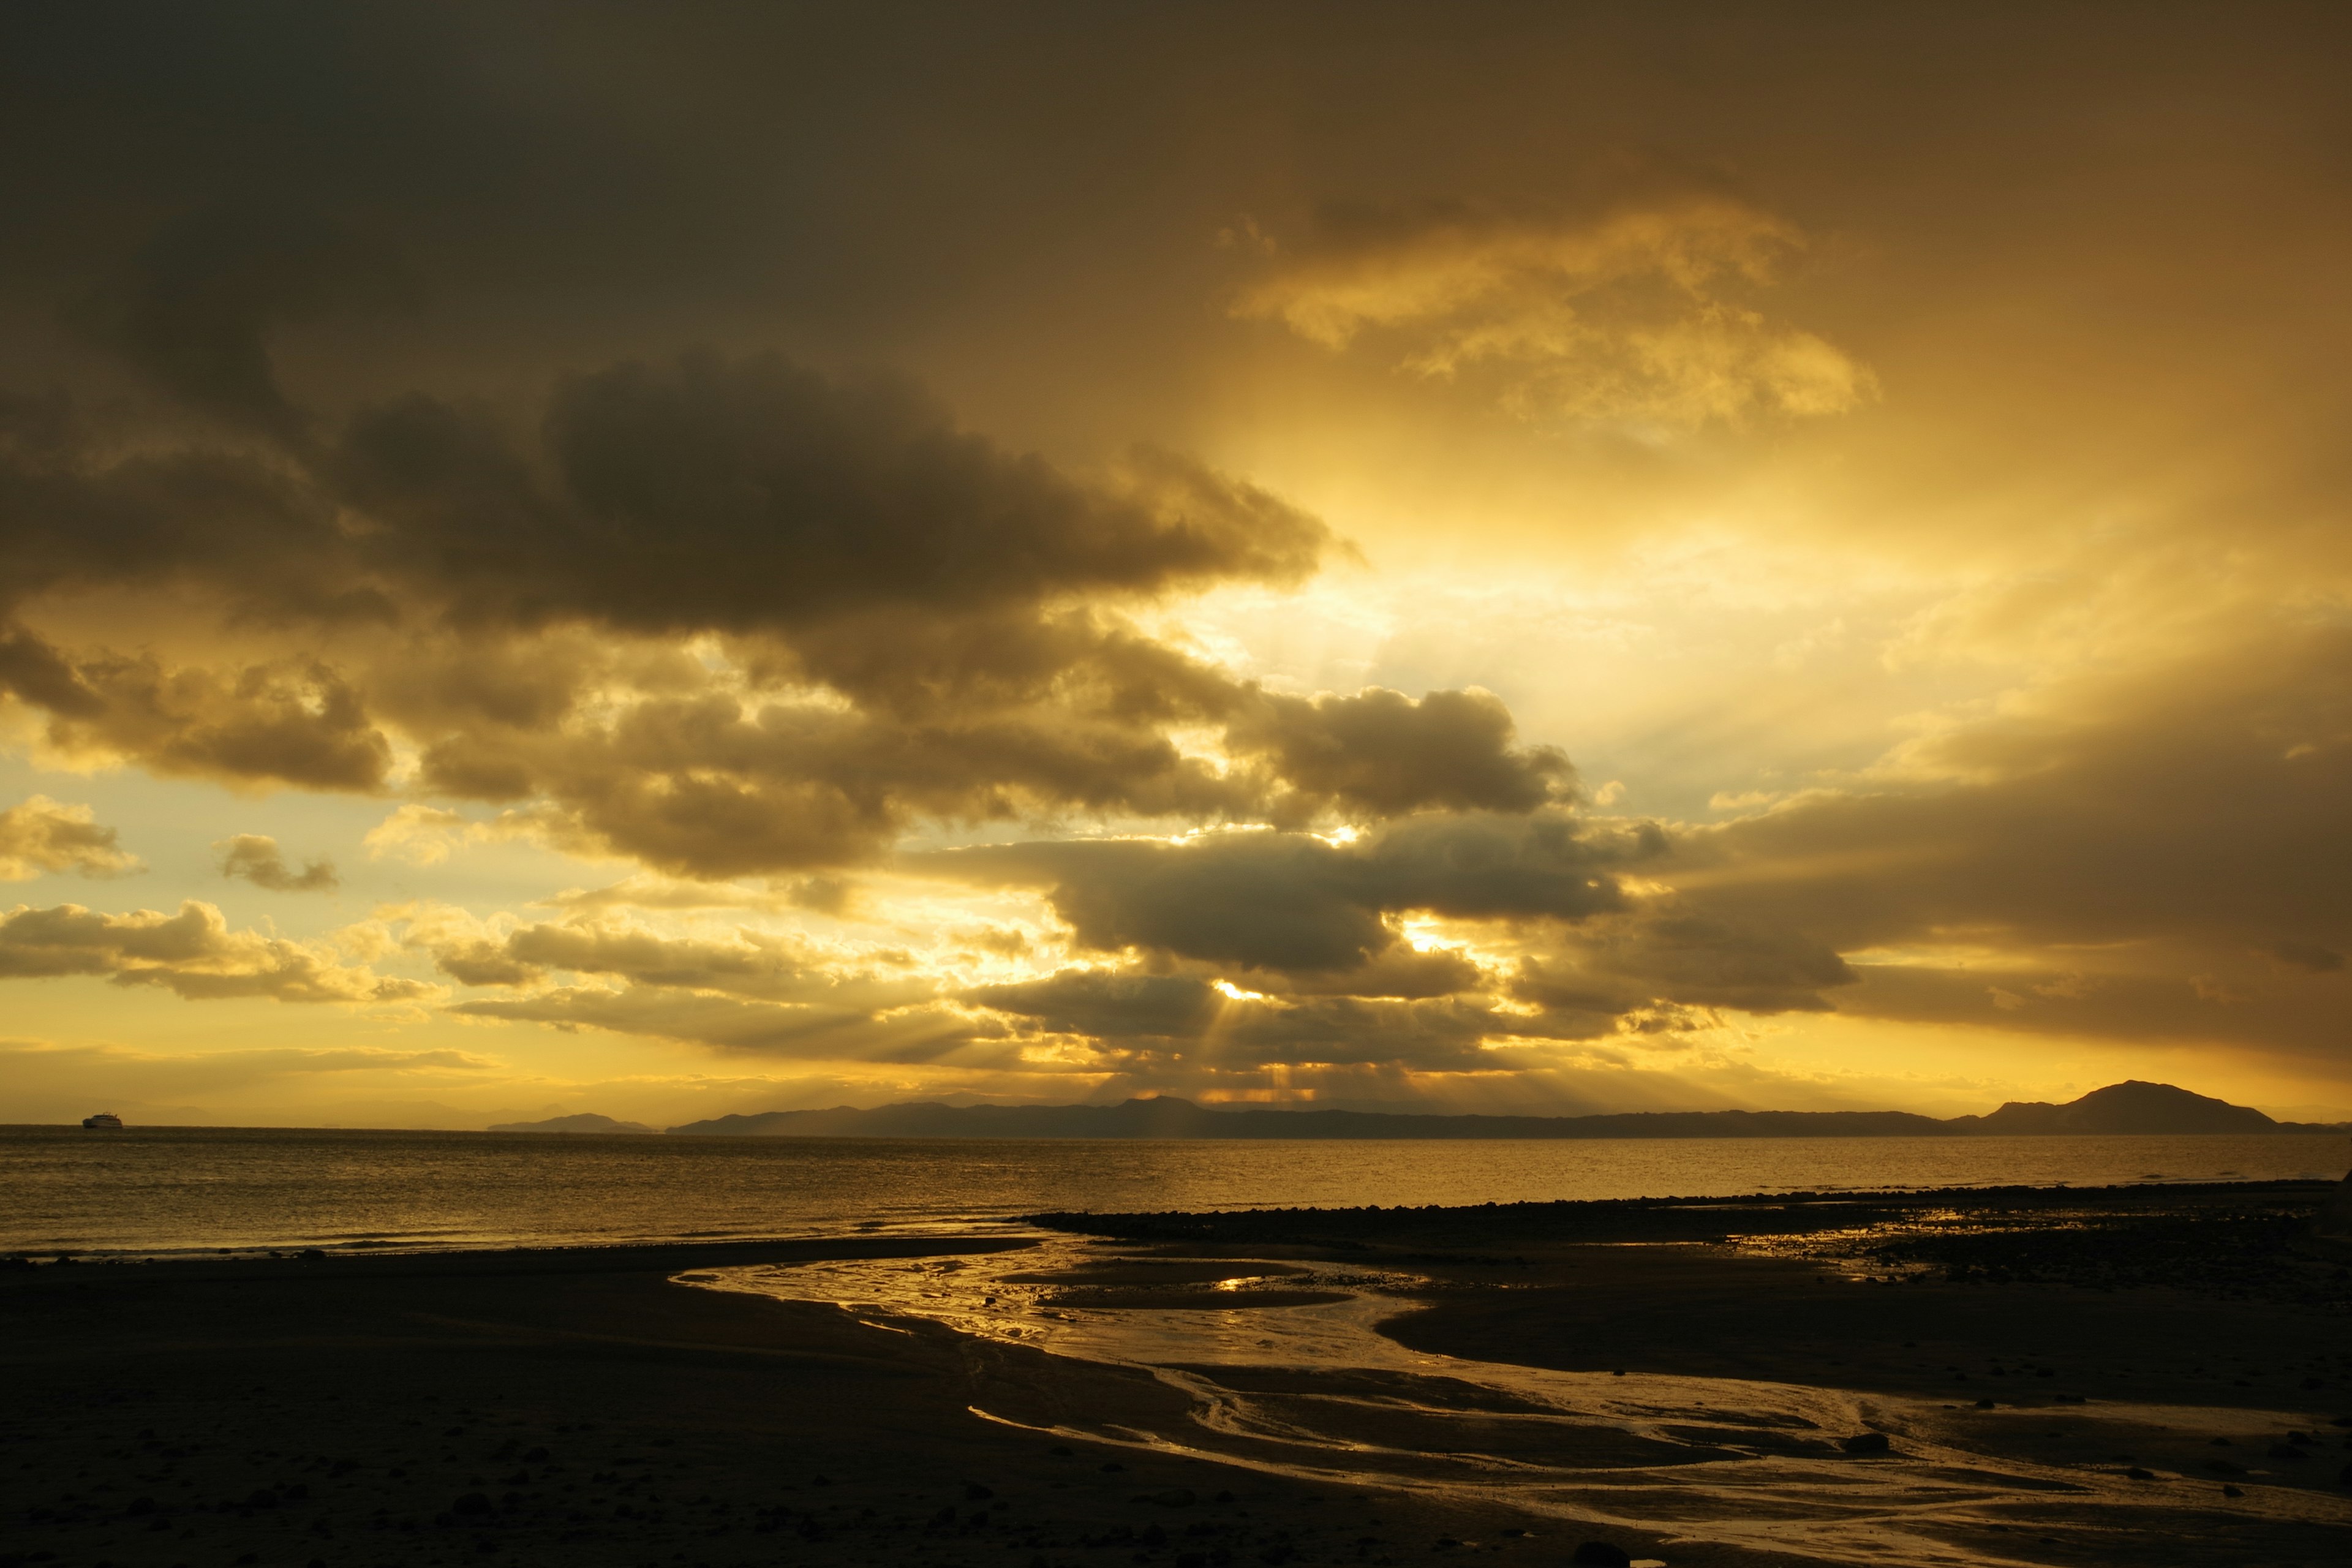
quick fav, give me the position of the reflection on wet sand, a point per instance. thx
(1282, 1367)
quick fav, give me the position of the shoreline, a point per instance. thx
(575, 1404)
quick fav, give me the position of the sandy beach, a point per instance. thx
(583, 1407)
(578, 1407)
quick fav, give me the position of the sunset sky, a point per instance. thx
(668, 561)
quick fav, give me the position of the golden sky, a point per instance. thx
(675, 561)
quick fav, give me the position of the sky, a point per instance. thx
(670, 561)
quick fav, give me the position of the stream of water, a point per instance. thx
(1282, 1368)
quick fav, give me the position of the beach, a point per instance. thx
(578, 1407)
(584, 1405)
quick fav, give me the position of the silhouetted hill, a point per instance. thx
(2121, 1107)
(2128, 1107)
(586, 1121)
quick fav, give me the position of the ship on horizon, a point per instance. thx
(104, 1118)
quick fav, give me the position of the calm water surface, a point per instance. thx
(161, 1190)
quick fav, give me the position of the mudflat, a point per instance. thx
(2147, 1376)
(2151, 1374)
(578, 1406)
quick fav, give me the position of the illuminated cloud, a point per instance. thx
(1637, 313)
(910, 1036)
(1297, 903)
(42, 836)
(1043, 654)
(255, 858)
(192, 953)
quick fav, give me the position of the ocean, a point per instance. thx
(151, 1192)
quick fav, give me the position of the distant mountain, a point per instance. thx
(586, 1121)
(2120, 1108)
(2129, 1107)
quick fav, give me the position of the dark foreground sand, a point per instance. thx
(577, 1407)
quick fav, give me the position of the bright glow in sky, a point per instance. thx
(1641, 558)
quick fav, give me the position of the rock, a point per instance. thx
(1865, 1443)
(2288, 1452)
(1600, 1554)
(2232, 1491)
(2223, 1468)
(1984, 1403)
(2139, 1474)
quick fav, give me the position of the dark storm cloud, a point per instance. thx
(1668, 954)
(751, 495)
(1108, 1005)
(1133, 1015)
(964, 598)
(90, 501)
(1292, 901)
(194, 306)
(920, 564)
(1379, 753)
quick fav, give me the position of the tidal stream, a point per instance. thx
(1282, 1368)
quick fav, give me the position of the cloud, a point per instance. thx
(1381, 753)
(1292, 901)
(288, 722)
(748, 964)
(810, 499)
(751, 991)
(902, 622)
(731, 1024)
(1175, 1024)
(1636, 313)
(194, 306)
(2091, 844)
(1615, 967)
(192, 953)
(41, 835)
(1110, 1005)
(255, 858)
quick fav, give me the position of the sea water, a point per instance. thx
(158, 1191)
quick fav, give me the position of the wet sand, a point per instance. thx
(579, 1408)
(585, 1406)
(2156, 1375)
